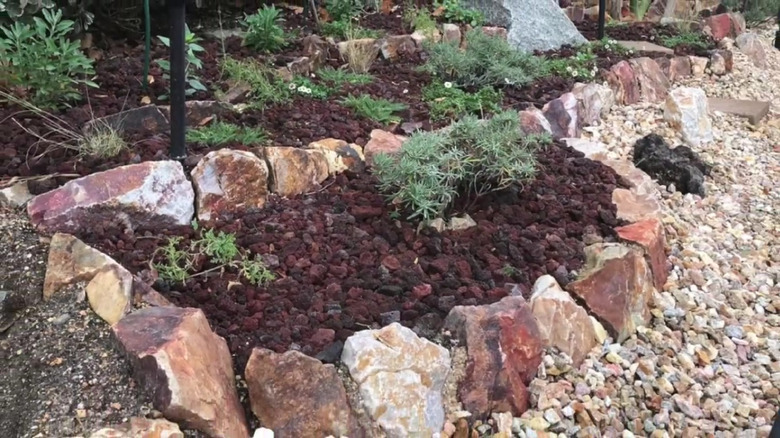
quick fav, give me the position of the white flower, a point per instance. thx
(307, 90)
(630, 52)
(292, 86)
(448, 85)
(574, 74)
(568, 68)
(652, 37)
(606, 46)
(304, 90)
(612, 42)
(593, 74)
(405, 91)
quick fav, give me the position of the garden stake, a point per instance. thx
(777, 34)
(602, 17)
(178, 76)
(147, 43)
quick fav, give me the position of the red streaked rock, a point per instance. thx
(649, 234)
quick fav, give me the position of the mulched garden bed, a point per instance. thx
(343, 263)
(644, 31)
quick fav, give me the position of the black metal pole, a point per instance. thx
(777, 34)
(602, 17)
(178, 80)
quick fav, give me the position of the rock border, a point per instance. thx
(402, 394)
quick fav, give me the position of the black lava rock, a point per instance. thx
(679, 166)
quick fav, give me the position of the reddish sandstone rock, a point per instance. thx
(185, 368)
(151, 194)
(533, 121)
(228, 181)
(653, 83)
(398, 45)
(634, 207)
(720, 26)
(617, 286)
(562, 322)
(295, 171)
(595, 99)
(563, 115)
(504, 348)
(637, 179)
(622, 80)
(296, 395)
(341, 156)
(382, 142)
(649, 234)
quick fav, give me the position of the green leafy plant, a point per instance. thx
(305, 86)
(419, 20)
(193, 62)
(255, 271)
(339, 29)
(580, 66)
(266, 84)
(221, 248)
(486, 60)
(379, 110)
(454, 12)
(640, 7)
(339, 77)
(607, 44)
(470, 158)
(42, 61)
(218, 133)
(176, 262)
(692, 39)
(19, 8)
(264, 31)
(446, 100)
(754, 10)
(509, 270)
(343, 10)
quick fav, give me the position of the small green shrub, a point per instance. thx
(640, 7)
(609, 45)
(193, 62)
(339, 77)
(306, 87)
(468, 159)
(219, 133)
(41, 60)
(692, 39)
(486, 60)
(255, 271)
(419, 20)
(266, 84)
(24, 8)
(343, 10)
(378, 110)
(754, 10)
(264, 31)
(454, 12)
(339, 29)
(580, 66)
(446, 100)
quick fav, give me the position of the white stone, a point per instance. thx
(263, 433)
(16, 195)
(597, 100)
(594, 150)
(687, 111)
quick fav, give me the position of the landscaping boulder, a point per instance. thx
(71, 261)
(397, 45)
(639, 182)
(185, 368)
(295, 171)
(139, 427)
(616, 286)
(595, 100)
(698, 65)
(720, 26)
(533, 121)
(382, 142)
(721, 62)
(679, 166)
(530, 23)
(562, 322)
(451, 33)
(146, 119)
(341, 156)
(750, 44)
(675, 68)
(563, 115)
(653, 83)
(296, 395)
(229, 181)
(153, 194)
(649, 234)
(400, 378)
(633, 206)
(200, 112)
(687, 111)
(504, 348)
(110, 293)
(622, 79)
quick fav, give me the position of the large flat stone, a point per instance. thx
(644, 46)
(752, 110)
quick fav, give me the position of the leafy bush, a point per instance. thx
(693, 39)
(446, 100)
(340, 29)
(42, 61)
(305, 86)
(339, 77)
(581, 65)
(419, 20)
(18, 8)
(466, 160)
(219, 133)
(343, 10)
(193, 62)
(486, 60)
(266, 84)
(754, 10)
(378, 110)
(640, 7)
(454, 12)
(264, 31)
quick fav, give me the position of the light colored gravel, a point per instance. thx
(708, 364)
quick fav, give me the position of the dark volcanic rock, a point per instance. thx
(679, 166)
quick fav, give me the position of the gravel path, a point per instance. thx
(709, 362)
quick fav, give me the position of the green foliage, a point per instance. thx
(469, 159)
(419, 20)
(305, 86)
(19, 8)
(339, 77)
(608, 45)
(454, 12)
(640, 7)
(343, 10)
(582, 65)
(486, 60)
(446, 100)
(193, 62)
(177, 263)
(378, 110)
(219, 133)
(266, 84)
(264, 31)
(693, 39)
(754, 10)
(345, 29)
(41, 60)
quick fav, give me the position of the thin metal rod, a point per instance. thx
(178, 80)
(602, 17)
(777, 34)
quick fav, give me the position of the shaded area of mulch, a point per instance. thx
(343, 263)
(644, 31)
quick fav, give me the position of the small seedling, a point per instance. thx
(255, 271)
(266, 84)
(221, 248)
(193, 62)
(340, 77)
(176, 262)
(508, 270)
(379, 110)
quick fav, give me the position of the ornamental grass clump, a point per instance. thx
(467, 160)
(486, 60)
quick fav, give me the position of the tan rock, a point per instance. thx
(594, 150)
(382, 142)
(750, 44)
(15, 195)
(653, 83)
(295, 171)
(687, 111)
(596, 101)
(341, 156)
(110, 293)
(638, 180)
(186, 369)
(451, 33)
(562, 322)
(563, 115)
(533, 121)
(398, 45)
(139, 427)
(634, 207)
(698, 66)
(296, 395)
(649, 234)
(622, 80)
(71, 261)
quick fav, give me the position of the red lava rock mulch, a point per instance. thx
(344, 264)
